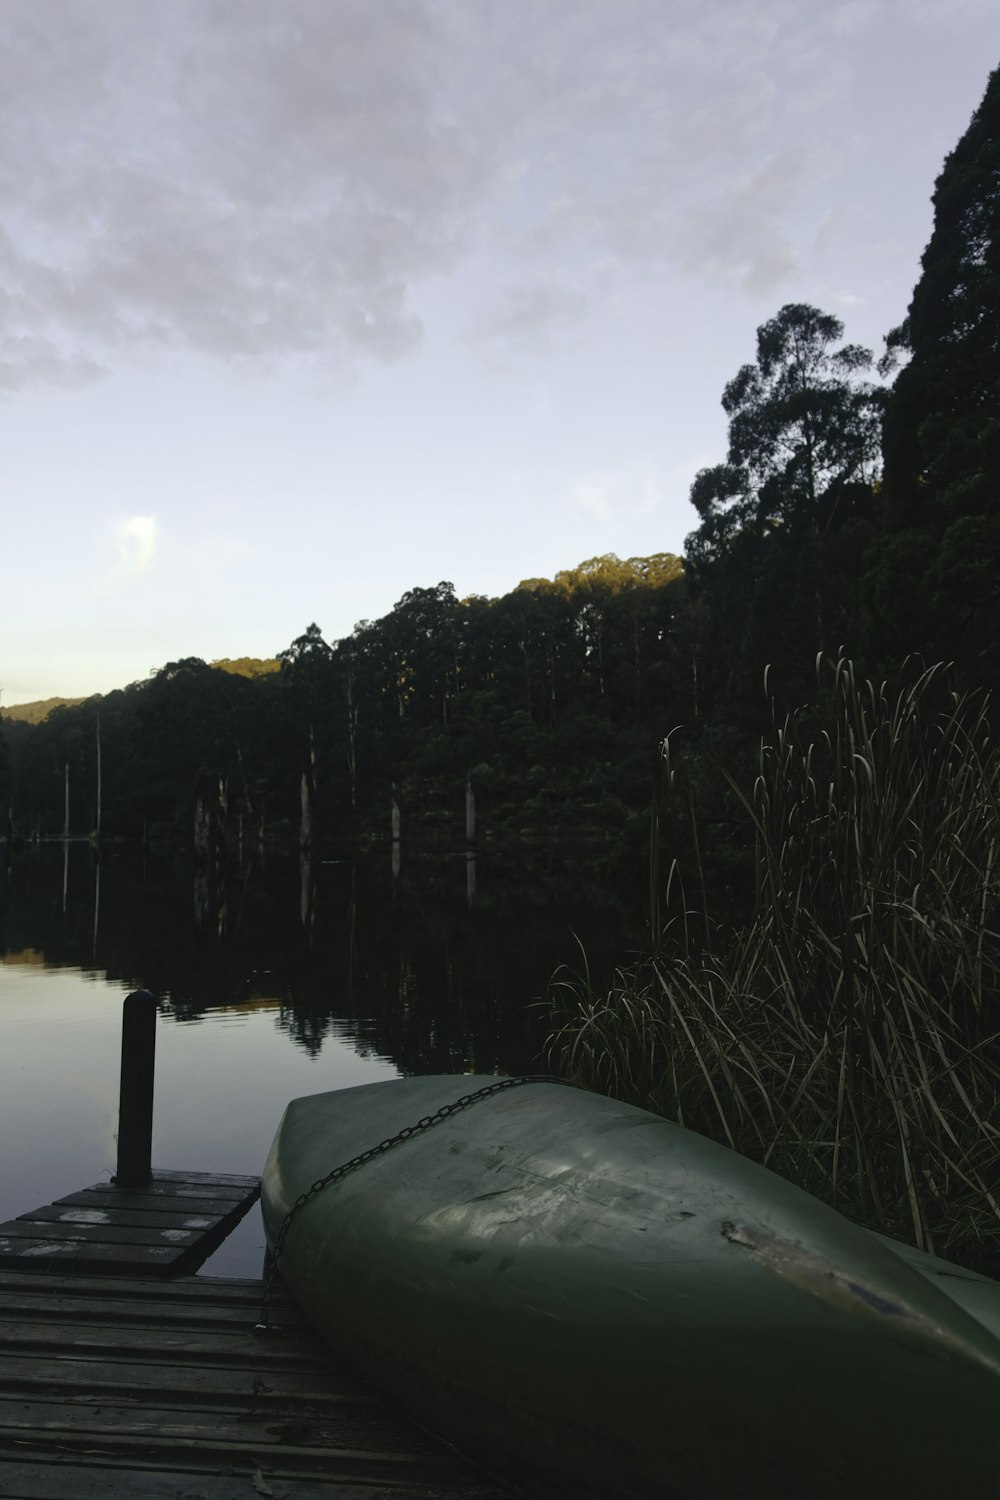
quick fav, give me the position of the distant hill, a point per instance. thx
(241, 666)
(248, 666)
(34, 713)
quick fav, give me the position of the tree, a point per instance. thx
(803, 434)
(621, 618)
(533, 635)
(306, 660)
(307, 674)
(425, 635)
(782, 518)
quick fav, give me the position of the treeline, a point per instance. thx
(532, 697)
(856, 513)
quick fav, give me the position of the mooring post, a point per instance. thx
(135, 1105)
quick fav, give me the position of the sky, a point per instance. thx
(306, 303)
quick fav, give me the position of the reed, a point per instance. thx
(845, 1035)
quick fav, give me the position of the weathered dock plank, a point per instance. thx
(169, 1225)
(115, 1233)
(137, 1484)
(124, 1387)
(44, 1306)
(174, 1197)
(110, 1379)
(172, 1345)
(196, 1289)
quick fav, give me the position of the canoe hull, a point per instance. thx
(598, 1303)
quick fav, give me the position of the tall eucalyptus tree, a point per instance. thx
(804, 452)
(803, 433)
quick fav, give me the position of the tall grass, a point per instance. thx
(846, 1034)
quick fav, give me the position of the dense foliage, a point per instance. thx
(934, 580)
(550, 700)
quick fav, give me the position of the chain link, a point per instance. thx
(421, 1125)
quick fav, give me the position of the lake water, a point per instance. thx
(279, 979)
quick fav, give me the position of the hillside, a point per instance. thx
(37, 712)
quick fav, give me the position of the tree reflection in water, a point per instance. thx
(437, 965)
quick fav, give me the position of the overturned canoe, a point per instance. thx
(595, 1302)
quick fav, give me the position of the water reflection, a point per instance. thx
(97, 912)
(432, 962)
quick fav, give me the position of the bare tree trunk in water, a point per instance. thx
(305, 820)
(307, 794)
(97, 821)
(352, 720)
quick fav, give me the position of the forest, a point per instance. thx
(535, 698)
(791, 723)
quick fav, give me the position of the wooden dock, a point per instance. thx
(171, 1224)
(125, 1377)
(146, 1388)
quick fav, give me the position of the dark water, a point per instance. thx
(280, 978)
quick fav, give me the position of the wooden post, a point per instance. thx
(135, 1108)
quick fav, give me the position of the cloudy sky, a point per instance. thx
(304, 303)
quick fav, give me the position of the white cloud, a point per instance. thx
(135, 542)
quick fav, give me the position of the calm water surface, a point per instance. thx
(280, 979)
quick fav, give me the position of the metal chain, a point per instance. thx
(365, 1156)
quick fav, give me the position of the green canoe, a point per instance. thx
(592, 1301)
